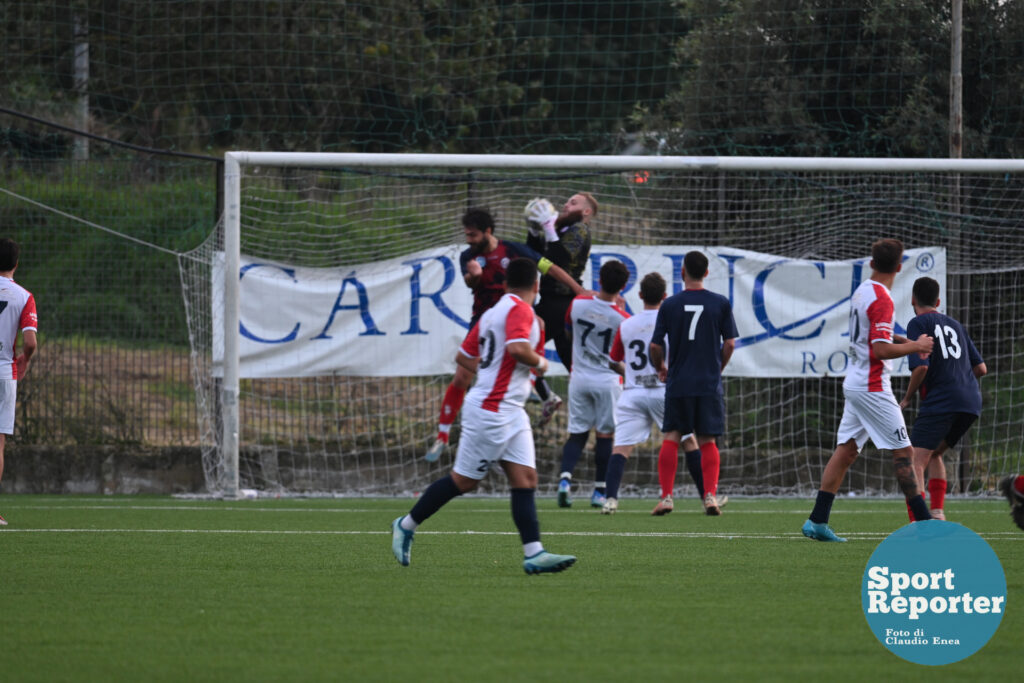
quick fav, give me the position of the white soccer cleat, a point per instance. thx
(610, 507)
(711, 506)
(939, 514)
(3, 522)
(549, 409)
(663, 507)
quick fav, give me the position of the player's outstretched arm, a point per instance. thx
(546, 267)
(888, 351)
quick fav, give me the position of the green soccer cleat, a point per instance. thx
(821, 532)
(401, 542)
(564, 499)
(545, 562)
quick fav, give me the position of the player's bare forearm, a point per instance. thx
(657, 356)
(887, 351)
(728, 346)
(618, 366)
(467, 363)
(980, 370)
(916, 379)
(523, 353)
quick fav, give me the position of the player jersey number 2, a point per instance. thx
(948, 340)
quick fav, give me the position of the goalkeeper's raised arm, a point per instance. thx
(563, 238)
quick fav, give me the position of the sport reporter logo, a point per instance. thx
(933, 592)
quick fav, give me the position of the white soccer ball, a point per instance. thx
(535, 206)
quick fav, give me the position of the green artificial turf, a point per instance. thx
(163, 589)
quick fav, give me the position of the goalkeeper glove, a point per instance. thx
(542, 213)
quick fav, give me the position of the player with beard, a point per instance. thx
(483, 265)
(564, 239)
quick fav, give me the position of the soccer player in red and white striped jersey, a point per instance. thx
(17, 312)
(870, 410)
(504, 348)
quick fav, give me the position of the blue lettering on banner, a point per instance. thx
(363, 306)
(808, 362)
(596, 260)
(833, 362)
(731, 259)
(677, 271)
(416, 293)
(290, 272)
(761, 312)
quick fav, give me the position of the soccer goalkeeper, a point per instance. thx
(483, 263)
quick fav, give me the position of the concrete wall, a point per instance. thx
(102, 469)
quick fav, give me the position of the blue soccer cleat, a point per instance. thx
(564, 499)
(545, 562)
(401, 542)
(821, 532)
(597, 499)
(435, 451)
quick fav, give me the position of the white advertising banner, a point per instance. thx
(407, 316)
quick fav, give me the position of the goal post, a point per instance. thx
(313, 220)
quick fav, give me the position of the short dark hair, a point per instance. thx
(652, 288)
(926, 291)
(695, 264)
(613, 276)
(520, 274)
(478, 218)
(8, 254)
(887, 254)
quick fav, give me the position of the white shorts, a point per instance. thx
(592, 404)
(8, 394)
(488, 437)
(874, 415)
(636, 412)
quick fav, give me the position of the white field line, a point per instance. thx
(71, 507)
(1000, 535)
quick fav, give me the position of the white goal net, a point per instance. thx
(346, 305)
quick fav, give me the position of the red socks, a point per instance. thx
(710, 462)
(936, 493)
(450, 407)
(1018, 484)
(668, 463)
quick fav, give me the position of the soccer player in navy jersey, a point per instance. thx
(504, 347)
(870, 409)
(699, 330)
(483, 265)
(948, 383)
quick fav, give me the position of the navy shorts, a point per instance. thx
(931, 430)
(701, 415)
